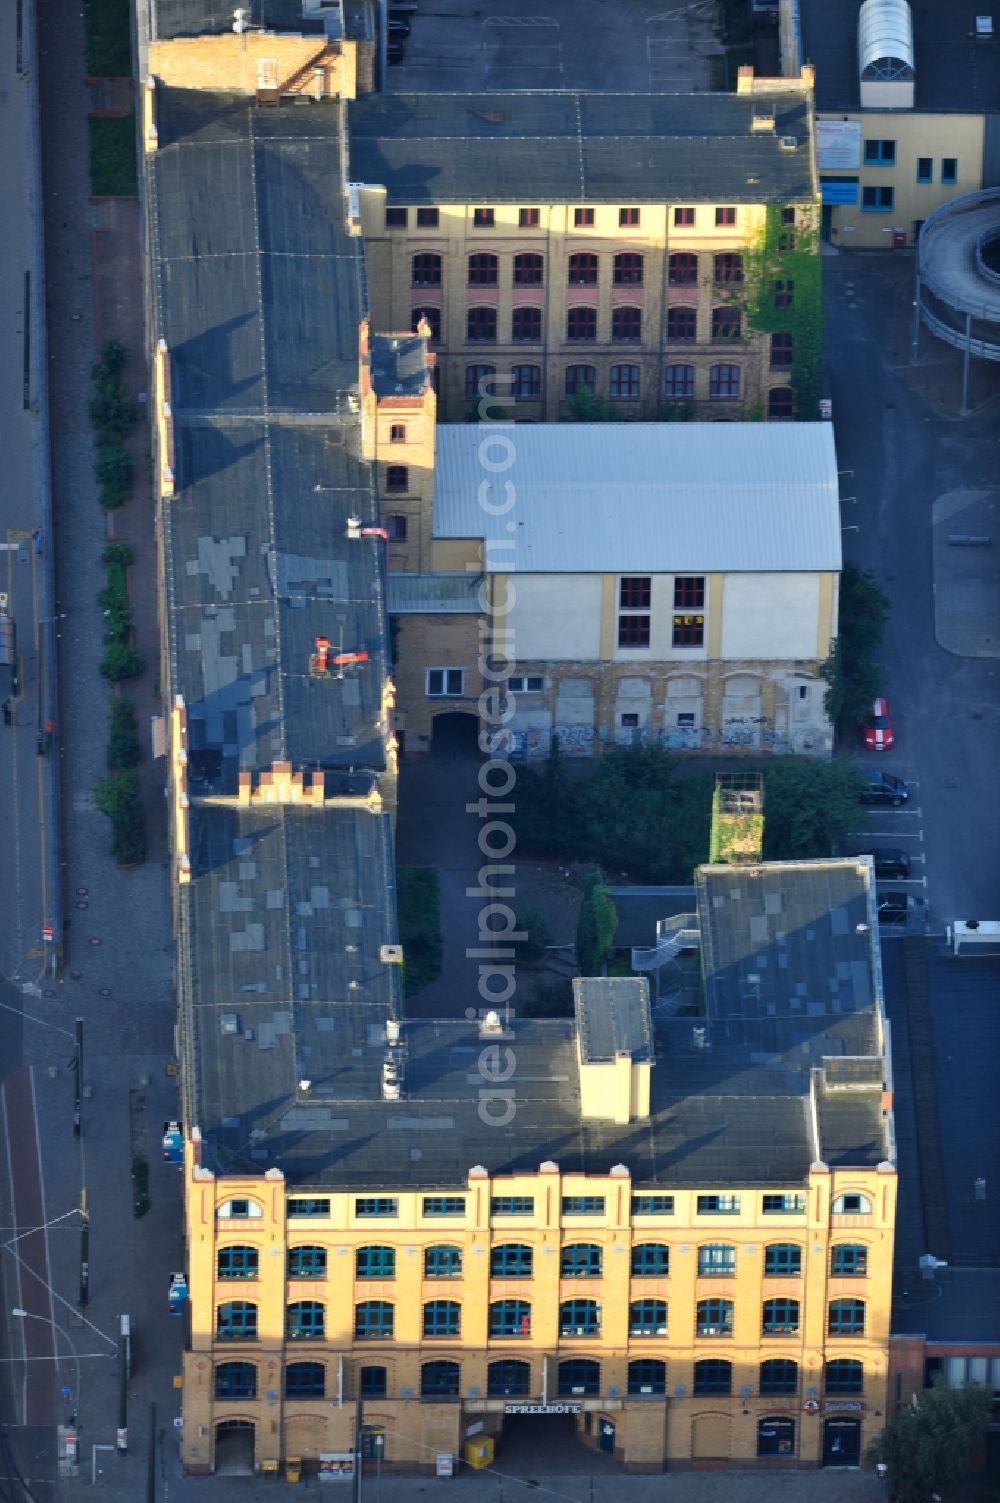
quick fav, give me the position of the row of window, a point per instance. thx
(516, 1260)
(524, 382)
(482, 322)
(510, 1378)
(882, 153)
(772, 1204)
(583, 268)
(684, 216)
(374, 1320)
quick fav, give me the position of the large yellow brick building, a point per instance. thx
(613, 256)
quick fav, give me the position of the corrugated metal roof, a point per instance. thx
(434, 594)
(650, 497)
(885, 39)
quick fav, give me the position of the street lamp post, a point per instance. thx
(881, 1472)
(47, 1320)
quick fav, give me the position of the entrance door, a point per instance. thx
(776, 1436)
(841, 1442)
(606, 1436)
(234, 1448)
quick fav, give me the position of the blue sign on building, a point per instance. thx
(839, 190)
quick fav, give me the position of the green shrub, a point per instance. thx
(119, 799)
(114, 473)
(123, 737)
(595, 930)
(112, 156)
(121, 661)
(118, 553)
(419, 908)
(532, 922)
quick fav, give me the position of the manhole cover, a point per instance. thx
(104, 991)
(82, 892)
(82, 903)
(95, 941)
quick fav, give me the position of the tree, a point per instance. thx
(595, 930)
(928, 1443)
(586, 407)
(852, 669)
(809, 808)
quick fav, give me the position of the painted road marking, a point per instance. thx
(526, 21)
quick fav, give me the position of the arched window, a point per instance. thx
(307, 1262)
(579, 1376)
(580, 1260)
(236, 1380)
(624, 382)
(481, 325)
(682, 269)
(529, 270)
(647, 1376)
(727, 322)
(682, 324)
(782, 1260)
(678, 382)
(373, 1320)
(430, 316)
(780, 402)
(526, 382)
(714, 1317)
(510, 1317)
(647, 1317)
(852, 1205)
(525, 325)
(305, 1380)
(716, 1260)
(779, 1375)
(375, 1263)
(581, 324)
(426, 270)
(628, 269)
(237, 1263)
(626, 325)
(305, 1320)
(846, 1317)
(443, 1262)
(578, 376)
(728, 268)
(440, 1380)
(781, 1317)
(442, 1317)
(844, 1375)
(724, 382)
(236, 1320)
(579, 1317)
(479, 381)
(373, 1382)
(239, 1209)
(583, 270)
(650, 1260)
(508, 1377)
(713, 1376)
(482, 270)
(849, 1260)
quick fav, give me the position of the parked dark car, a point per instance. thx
(890, 862)
(883, 788)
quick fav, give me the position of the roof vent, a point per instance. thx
(229, 1022)
(762, 122)
(392, 1030)
(490, 1024)
(984, 28)
(789, 143)
(391, 954)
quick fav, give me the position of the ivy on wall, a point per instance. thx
(790, 254)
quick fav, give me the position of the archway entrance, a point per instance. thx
(841, 1442)
(455, 735)
(234, 1448)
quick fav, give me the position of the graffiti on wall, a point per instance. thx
(574, 739)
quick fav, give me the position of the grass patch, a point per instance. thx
(418, 890)
(112, 156)
(108, 29)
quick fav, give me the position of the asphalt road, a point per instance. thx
(903, 455)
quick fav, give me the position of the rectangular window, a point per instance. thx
(726, 215)
(849, 1261)
(397, 477)
(520, 683)
(528, 219)
(630, 721)
(689, 592)
(883, 152)
(633, 631)
(395, 219)
(949, 169)
(375, 1205)
(427, 219)
(634, 592)
(308, 1208)
(444, 681)
(688, 631)
(512, 1205)
(628, 218)
(717, 1261)
(684, 218)
(583, 219)
(443, 1263)
(782, 1260)
(718, 1205)
(652, 1205)
(483, 219)
(444, 1205)
(397, 433)
(925, 169)
(583, 1205)
(634, 595)
(877, 200)
(783, 1205)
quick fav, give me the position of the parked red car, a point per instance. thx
(880, 734)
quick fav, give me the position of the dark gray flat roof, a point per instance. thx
(640, 909)
(612, 1017)
(958, 1306)
(552, 148)
(188, 18)
(954, 72)
(399, 364)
